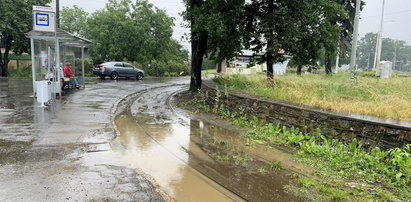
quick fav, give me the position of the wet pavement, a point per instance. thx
(127, 141)
(63, 152)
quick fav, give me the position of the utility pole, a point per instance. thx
(395, 56)
(337, 61)
(355, 38)
(379, 42)
(58, 13)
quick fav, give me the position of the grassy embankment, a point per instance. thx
(364, 95)
(345, 171)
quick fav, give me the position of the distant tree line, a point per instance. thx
(396, 51)
(307, 30)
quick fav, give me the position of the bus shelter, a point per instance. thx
(50, 51)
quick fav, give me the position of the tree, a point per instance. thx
(15, 20)
(300, 27)
(344, 37)
(122, 30)
(391, 50)
(74, 20)
(314, 31)
(366, 51)
(215, 30)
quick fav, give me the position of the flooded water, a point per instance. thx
(193, 159)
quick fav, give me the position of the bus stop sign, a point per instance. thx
(44, 19)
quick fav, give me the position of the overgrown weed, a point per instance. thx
(364, 95)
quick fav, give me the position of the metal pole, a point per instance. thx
(58, 64)
(355, 38)
(33, 65)
(379, 41)
(82, 65)
(375, 54)
(337, 61)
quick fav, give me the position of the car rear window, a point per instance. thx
(104, 64)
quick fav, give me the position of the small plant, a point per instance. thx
(306, 182)
(223, 157)
(333, 193)
(262, 170)
(276, 165)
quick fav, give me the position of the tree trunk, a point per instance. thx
(299, 69)
(270, 70)
(328, 68)
(198, 49)
(219, 67)
(269, 55)
(4, 60)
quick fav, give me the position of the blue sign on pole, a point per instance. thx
(42, 19)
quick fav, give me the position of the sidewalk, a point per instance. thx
(63, 153)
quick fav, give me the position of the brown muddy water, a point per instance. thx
(195, 158)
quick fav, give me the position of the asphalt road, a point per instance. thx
(63, 152)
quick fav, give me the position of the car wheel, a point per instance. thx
(114, 75)
(102, 77)
(139, 76)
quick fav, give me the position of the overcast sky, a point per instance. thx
(397, 16)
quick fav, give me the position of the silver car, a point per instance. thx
(117, 69)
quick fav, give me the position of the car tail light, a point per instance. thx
(103, 68)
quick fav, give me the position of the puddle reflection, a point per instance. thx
(162, 154)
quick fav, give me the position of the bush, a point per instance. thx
(20, 73)
(88, 67)
(167, 68)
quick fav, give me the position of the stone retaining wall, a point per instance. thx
(371, 131)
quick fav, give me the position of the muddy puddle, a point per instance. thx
(197, 160)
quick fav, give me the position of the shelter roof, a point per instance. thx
(67, 38)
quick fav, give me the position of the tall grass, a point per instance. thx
(389, 98)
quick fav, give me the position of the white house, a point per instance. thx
(242, 65)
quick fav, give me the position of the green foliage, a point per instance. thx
(301, 28)
(137, 32)
(276, 165)
(74, 20)
(306, 182)
(208, 64)
(333, 193)
(19, 57)
(88, 67)
(332, 158)
(20, 73)
(15, 20)
(389, 47)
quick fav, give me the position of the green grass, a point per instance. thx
(389, 98)
(206, 72)
(377, 174)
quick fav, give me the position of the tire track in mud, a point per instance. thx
(151, 104)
